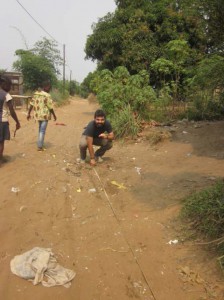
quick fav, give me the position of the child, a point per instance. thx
(43, 109)
(6, 107)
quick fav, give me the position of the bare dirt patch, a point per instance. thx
(115, 239)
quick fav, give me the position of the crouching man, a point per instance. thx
(98, 132)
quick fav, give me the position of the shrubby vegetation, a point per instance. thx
(125, 98)
(179, 44)
(204, 211)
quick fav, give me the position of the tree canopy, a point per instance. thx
(136, 34)
(38, 64)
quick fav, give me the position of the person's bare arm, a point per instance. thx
(29, 112)
(13, 114)
(109, 136)
(53, 113)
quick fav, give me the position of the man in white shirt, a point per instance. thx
(6, 109)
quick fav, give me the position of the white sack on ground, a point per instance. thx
(39, 263)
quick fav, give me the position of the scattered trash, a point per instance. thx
(15, 190)
(53, 155)
(35, 183)
(119, 185)
(22, 208)
(78, 190)
(184, 132)
(64, 189)
(189, 154)
(61, 124)
(38, 263)
(93, 190)
(190, 276)
(138, 170)
(114, 250)
(171, 242)
(133, 158)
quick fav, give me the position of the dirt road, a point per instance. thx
(115, 239)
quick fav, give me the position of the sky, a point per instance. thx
(68, 21)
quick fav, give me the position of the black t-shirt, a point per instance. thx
(93, 131)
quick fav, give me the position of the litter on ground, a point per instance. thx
(38, 264)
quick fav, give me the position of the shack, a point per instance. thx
(17, 88)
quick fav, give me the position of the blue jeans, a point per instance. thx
(41, 134)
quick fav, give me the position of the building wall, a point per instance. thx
(17, 82)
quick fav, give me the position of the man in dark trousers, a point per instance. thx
(98, 132)
(6, 109)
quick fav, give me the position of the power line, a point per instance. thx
(50, 36)
(37, 22)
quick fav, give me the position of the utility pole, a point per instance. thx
(70, 82)
(63, 68)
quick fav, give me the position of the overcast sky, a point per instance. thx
(68, 21)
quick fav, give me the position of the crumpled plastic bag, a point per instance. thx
(38, 263)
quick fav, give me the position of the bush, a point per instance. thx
(59, 97)
(124, 97)
(204, 211)
(205, 108)
(125, 123)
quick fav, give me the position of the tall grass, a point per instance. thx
(204, 212)
(60, 97)
(125, 123)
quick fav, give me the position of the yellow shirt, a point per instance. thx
(42, 104)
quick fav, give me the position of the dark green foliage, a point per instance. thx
(38, 64)
(85, 87)
(210, 73)
(205, 107)
(124, 97)
(137, 33)
(179, 43)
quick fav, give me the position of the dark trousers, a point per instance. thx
(104, 144)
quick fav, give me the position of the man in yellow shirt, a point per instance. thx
(42, 104)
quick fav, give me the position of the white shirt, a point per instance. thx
(4, 111)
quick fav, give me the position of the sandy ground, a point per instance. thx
(115, 239)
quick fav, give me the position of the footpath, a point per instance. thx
(115, 225)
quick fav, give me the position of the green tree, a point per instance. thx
(48, 49)
(137, 33)
(208, 16)
(178, 53)
(38, 64)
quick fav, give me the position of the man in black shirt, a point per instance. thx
(98, 132)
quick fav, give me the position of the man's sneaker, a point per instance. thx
(99, 159)
(80, 161)
(40, 149)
